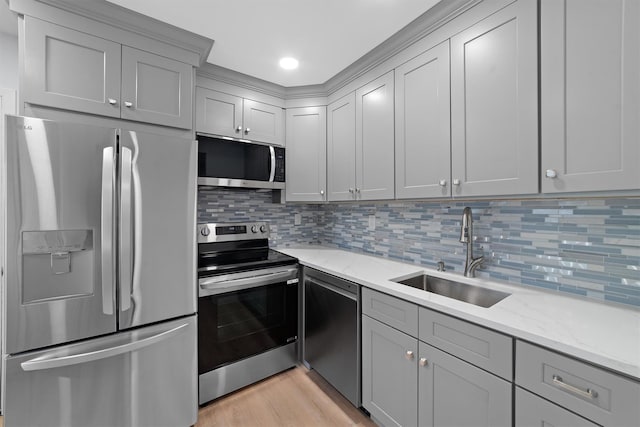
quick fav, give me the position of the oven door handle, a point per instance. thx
(221, 285)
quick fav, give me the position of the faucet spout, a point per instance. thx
(466, 236)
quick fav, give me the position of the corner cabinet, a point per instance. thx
(375, 140)
(219, 113)
(422, 125)
(306, 157)
(71, 70)
(494, 104)
(590, 92)
(341, 149)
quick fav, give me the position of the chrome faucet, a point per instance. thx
(466, 236)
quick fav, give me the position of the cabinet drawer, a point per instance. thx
(395, 312)
(599, 395)
(479, 346)
(534, 411)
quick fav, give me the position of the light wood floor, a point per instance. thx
(297, 397)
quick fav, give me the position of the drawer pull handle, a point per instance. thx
(589, 394)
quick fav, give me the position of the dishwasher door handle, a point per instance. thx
(332, 288)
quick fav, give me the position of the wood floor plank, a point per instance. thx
(297, 397)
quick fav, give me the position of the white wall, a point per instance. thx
(8, 61)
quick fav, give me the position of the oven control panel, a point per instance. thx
(230, 232)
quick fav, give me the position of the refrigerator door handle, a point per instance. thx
(106, 230)
(47, 362)
(126, 255)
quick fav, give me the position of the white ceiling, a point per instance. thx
(251, 36)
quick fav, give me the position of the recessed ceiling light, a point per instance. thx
(289, 63)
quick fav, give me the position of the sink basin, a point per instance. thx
(476, 295)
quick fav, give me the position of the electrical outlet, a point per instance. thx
(372, 222)
(297, 219)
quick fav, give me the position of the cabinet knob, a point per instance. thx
(113, 101)
(456, 181)
(409, 355)
(246, 131)
(128, 104)
(351, 190)
(423, 361)
(239, 129)
(551, 173)
(357, 190)
(443, 183)
(322, 192)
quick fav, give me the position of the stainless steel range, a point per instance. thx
(247, 308)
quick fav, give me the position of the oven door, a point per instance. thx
(244, 314)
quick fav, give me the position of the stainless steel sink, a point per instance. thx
(482, 297)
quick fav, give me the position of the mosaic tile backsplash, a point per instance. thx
(585, 247)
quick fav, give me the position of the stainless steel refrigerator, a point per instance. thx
(99, 276)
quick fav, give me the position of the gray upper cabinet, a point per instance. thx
(590, 62)
(156, 89)
(375, 139)
(422, 125)
(72, 70)
(306, 154)
(454, 393)
(494, 107)
(389, 377)
(263, 122)
(68, 69)
(219, 113)
(341, 149)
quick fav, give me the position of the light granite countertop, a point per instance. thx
(599, 333)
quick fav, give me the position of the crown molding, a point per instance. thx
(425, 24)
(128, 20)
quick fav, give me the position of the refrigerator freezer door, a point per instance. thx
(59, 274)
(145, 377)
(157, 228)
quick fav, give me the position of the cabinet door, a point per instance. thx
(455, 393)
(533, 411)
(423, 122)
(263, 122)
(494, 103)
(306, 157)
(341, 148)
(374, 139)
(590, 95)
(156, 89)
(389, 378)
(71, 70)
(218, 113)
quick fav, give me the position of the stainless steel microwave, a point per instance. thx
(231, 163)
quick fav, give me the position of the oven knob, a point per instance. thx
(254, 229)
(263, 228)
(205, 231)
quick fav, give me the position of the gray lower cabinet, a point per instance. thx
(306, 160)
(494, 104)
(389, 375)
(589, 120)
(408, 382)
(71, 70)
(534, 411)
(452, 392)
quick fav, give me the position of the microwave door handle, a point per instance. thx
(106, 231)
(126, 256)
(272, 174)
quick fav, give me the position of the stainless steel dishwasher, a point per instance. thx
(332, 331)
